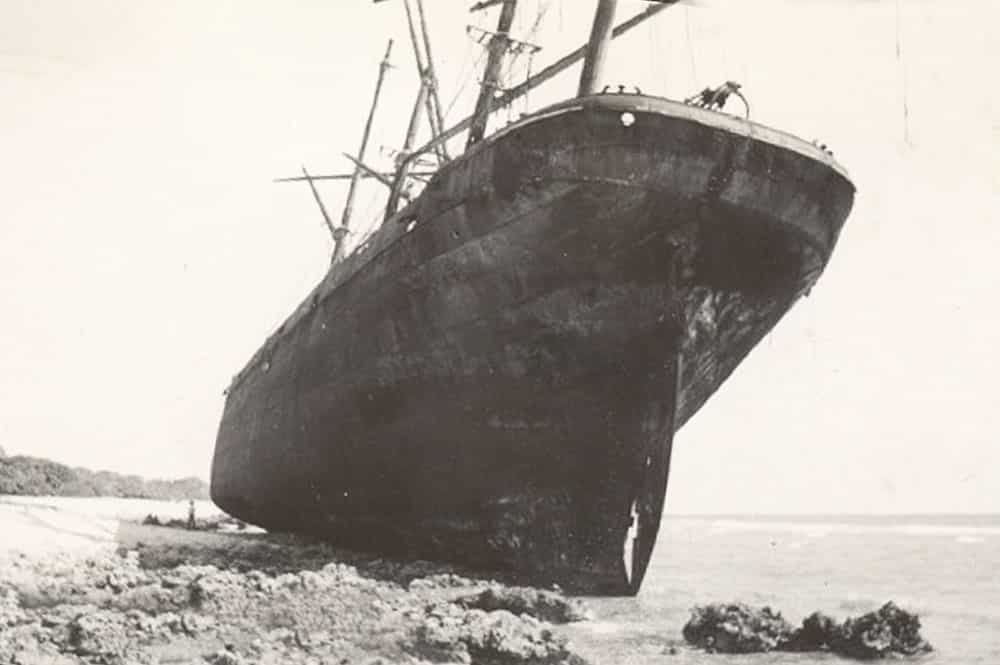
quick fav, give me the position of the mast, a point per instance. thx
(547, 74)
(338, 232)
(487, 94)
(522, 89)
(435, 112)
(425, 69)
(597, 47)
(369, 171)
(418, 111)
(406, 156)
(366, 172)
(345, 221)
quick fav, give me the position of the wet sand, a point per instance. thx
(83, 580)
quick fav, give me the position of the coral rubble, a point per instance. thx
(738, 628)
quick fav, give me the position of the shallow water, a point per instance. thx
(945, 568)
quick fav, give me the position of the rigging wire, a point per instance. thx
(543, 11)
(902, 68)
(466, 74)
(520, 66)
(540, 14)
(515, 68)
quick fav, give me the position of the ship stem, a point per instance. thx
(597, 47)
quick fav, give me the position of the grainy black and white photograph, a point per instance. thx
(499, 332)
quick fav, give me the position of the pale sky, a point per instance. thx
(145, 253)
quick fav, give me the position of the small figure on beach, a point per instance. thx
(191, 522)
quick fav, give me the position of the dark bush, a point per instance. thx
(34, 476)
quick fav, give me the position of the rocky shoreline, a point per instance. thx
(186, 597)
(86, 587)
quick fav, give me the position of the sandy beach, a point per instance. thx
(85, 581)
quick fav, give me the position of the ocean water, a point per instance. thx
(945, 568)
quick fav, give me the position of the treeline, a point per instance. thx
(34, 476)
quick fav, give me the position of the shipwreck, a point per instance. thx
(497, 374)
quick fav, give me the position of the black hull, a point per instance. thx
(497, 379)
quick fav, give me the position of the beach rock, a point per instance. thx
(543, 605)
(442, 581)
(59, 578)
(26, 641)
(120, 581)
(119, 573)
(11, 613)
(818, 631)
(184, 575)
(737, 628)
(341, 571)
(226, 657)
(41, 655)
(269, 599)
(152, 598)
(451, 634)
(61, 616)
(222, 588)
(152, 625)
(890, 630)
(403, 572)
(100, 633)
(171, 623)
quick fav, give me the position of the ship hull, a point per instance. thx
(497, 379)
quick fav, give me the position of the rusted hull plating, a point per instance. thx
(497, 379)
